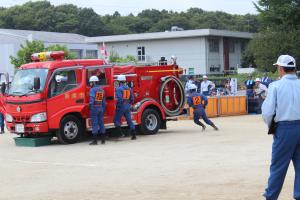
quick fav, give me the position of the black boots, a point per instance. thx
(94, 141)
(103, 138)
(133, 135)
(202, 125)
(2, 130)
(120, 131)
(215, 127)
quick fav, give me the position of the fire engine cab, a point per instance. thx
(51, 97)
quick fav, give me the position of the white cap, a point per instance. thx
(192, 87)
(121, 78)
(205, 76)
(59, 78)
(257, 80)
(94, 79)
(286, 61)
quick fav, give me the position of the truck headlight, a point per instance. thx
(40, 117)
(8, 118)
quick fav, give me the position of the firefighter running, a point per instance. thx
(97, 109)
(198, 102)
(124, 100)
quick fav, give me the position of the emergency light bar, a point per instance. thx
(44, 56)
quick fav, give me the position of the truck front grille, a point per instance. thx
(21, 119)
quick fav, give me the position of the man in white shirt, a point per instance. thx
(188, 84)
(261, 90)
(281, 108)
(206, 86)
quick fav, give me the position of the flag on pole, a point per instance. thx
(104, 53)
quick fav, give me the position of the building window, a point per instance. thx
(63, 81)
(91, 54)
(77, 52)
(99, 72)
(191, 71)
(213, 45)
(231, 47)
(141, 54)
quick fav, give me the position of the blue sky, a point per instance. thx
(135, 6)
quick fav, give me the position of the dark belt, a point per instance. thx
(288, 122)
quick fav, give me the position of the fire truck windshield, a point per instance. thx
(23, 81)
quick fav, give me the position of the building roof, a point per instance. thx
(169, 35)
(50, 37)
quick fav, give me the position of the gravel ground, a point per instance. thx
(180, 163)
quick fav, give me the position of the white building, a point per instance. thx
(11, 41)
(203, 51)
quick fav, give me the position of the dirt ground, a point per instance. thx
(180, 163)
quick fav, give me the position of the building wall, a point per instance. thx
(215, 63)
(236, 56)
(81, 49)
(190, 52)
(216, 59)
(7, 50)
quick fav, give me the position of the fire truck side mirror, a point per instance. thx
(37, 83)
(3, 88)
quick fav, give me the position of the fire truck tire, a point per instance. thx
(151, 122)
(70, 130)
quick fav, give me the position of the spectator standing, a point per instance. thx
(188, 84)
(249, 84)
(206, 86)
(266, 80)
(261, 90)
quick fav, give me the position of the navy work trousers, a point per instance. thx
(123, 111)
(97, 121)
(1, 122)
(200, 112)
(285, 148)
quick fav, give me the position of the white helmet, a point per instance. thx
(257, 80)
(121, 78)
(59, 78)
(192, 87)
(94, 79)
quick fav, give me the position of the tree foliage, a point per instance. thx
(24, 54)
(115, 58)
(280, 33)
(43, 16)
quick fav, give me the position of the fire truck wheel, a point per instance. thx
(70, 130)
(151, 122)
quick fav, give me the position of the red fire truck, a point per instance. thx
(51, 97)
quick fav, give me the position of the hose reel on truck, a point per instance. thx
(171, 95)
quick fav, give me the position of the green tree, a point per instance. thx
(56, 47)
(24, 54)
(268, 45)
(115, 58)
(68, 18)
(280, 33)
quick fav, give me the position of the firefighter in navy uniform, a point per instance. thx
(97, 106)
(124, 100)
(198, 102)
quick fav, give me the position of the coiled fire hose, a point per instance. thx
(179, 104)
